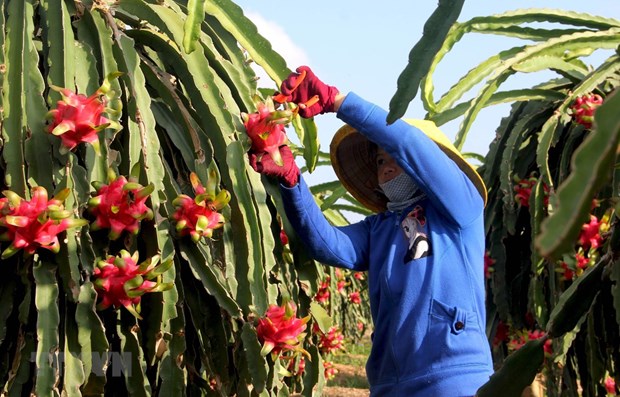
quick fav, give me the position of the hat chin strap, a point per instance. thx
(400, 192)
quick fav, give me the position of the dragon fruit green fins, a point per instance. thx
(78, 118)
(584, 107)
(266, 129)
(34, 224)
(280, 329)
(121, 281)
(120, 205)
(198, 216)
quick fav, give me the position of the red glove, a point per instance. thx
(287, 173)
(308, 92)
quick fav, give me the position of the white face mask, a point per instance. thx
(399, 189)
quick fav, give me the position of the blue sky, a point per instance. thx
(364, 46)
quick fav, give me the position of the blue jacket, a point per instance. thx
(425, 266)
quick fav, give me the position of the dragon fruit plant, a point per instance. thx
(330, 342)
(120, 281)
(36, 223)
(280, 330)
(198, 216)
(584, 107)
(172, 111)
(120, 205)
(266, 129)
(523, 190)
(78, 118)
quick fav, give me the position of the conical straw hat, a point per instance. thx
(350, 157)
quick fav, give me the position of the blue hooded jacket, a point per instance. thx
(425, 266)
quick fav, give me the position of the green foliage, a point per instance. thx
(592, 165)
(551, 219)
(182, 79)
(518, 371)
(421, 56)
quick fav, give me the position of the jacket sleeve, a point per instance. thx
(419, 156)
(339, 246)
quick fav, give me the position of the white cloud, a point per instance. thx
(280, 42)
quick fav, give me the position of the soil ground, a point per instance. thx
(350, 381)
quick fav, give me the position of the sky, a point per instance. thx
(363, 46)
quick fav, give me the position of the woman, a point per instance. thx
(423, 249)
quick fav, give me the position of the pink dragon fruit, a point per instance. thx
(121, 281)
(323, 294)
(523, 190)
(610, 386)
(34, 224)
(488, 265)
(584, 107)
(355, 298)
(280, 329)
(590, 235)
(266, 129)
(78, 118)
(330, 342)
(198, 216)
(120, 206)
(520, 338)
(330, 370)
(296, 367)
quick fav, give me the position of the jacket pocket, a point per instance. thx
(454, 337)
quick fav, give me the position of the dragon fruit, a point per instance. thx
(283, 237)
(198, 216)
(330, 370)
(584, 107)
(34, 224)
(323, 294)
(489, 264)
(78, 118)
(523, 190)
(280, 330)
(266, 129)
(296, 367)
(610, 386)
(120, 205)
(590, 235)
(121, 281)
(330, 342)
(520, 338)
(355, 298)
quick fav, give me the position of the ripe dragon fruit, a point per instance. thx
(584, 107)
(501, 334)
(610, 385)
(323, 294)
(590, 235)
(266, 129)
(78, 118)
(330, 342)
(355, 298)
(523, 190)
(34, 224)
(121, 281)
(330, 370)
(488, 265)
(520, 338)
(569, 272)
(280, 330)
(296, 367)
(283, 237)
(198, 216)
(120, 206)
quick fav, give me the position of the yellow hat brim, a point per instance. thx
(349, 153)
